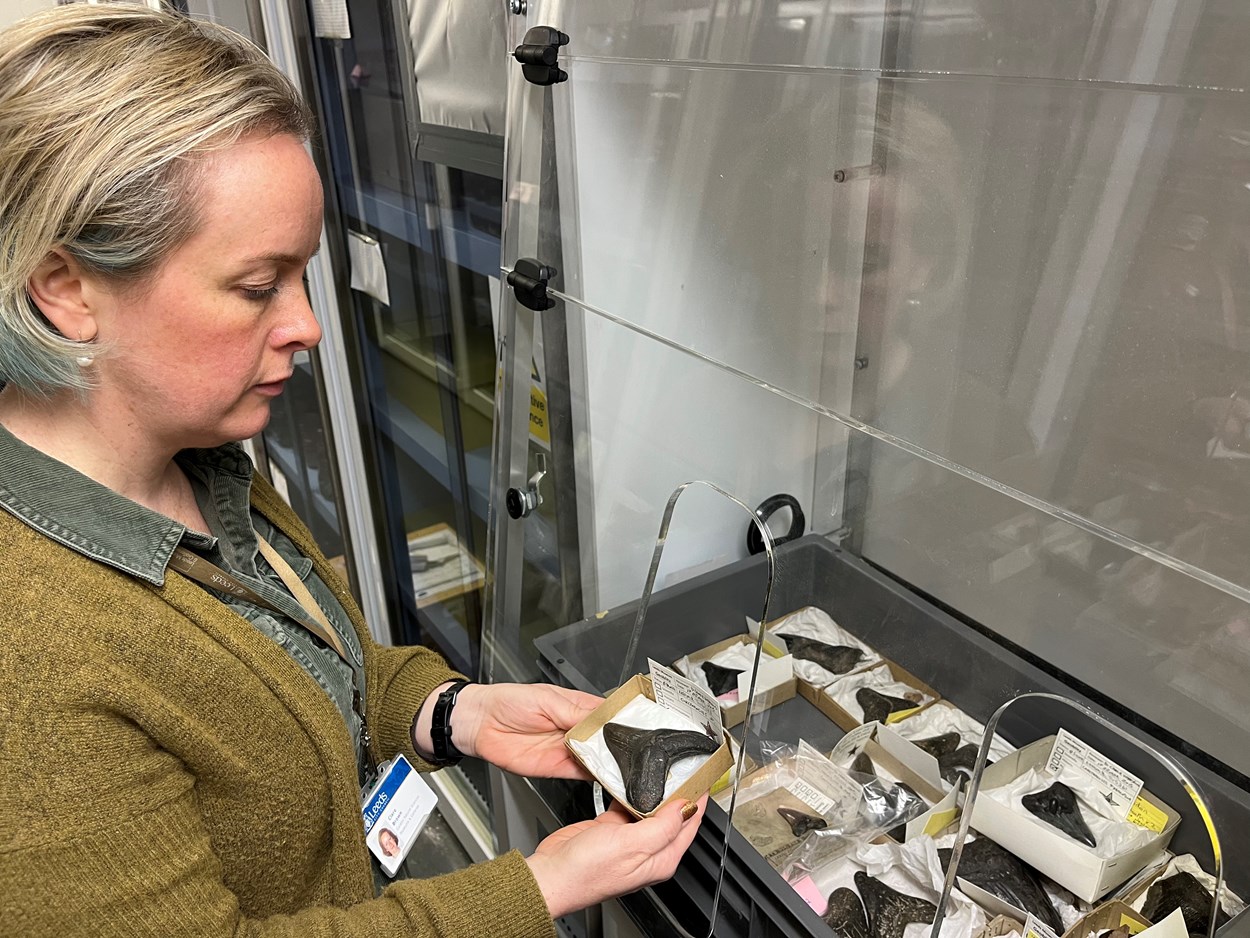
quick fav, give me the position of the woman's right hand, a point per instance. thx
(585, 863)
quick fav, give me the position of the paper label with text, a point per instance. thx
(853, 741)
(1118, 787)
(1033, 928)
(675, 692)
(810, 796)
(1146, 815)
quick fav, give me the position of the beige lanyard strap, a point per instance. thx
(304, 598)
(195, 567)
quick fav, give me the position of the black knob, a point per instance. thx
(514, 501)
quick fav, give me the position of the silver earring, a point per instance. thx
(85, 361)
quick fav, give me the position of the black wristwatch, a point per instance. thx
(445, 751)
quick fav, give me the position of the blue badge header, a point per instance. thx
(385, 792)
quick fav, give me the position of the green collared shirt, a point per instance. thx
(84, 515)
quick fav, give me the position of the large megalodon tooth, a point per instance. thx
(721, 679)
(1057, 806)
(960, 762)
(1001, 873)
(837, 659)
(878, 706)
(890, 911)
(938, 746)
(1182, 891)
(801, 822)
(845, 914)
(644, 757)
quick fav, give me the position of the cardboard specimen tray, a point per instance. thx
(697, 785)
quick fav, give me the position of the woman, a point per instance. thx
(183, 675)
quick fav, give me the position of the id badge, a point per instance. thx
(395, 810)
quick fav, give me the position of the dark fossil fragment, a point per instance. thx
(1001, 873)
(721, 679)
(845, 914)
(878, 706)
(801, 822)
(1057, 806)
(938, 746)
(837, 659)
(644, 757)
(863, 765)
(1185, 892)
(890, 911)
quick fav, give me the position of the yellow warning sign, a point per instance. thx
(540, 427)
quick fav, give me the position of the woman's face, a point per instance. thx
(197, 353)
(388, 842)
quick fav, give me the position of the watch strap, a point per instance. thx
(445, 751)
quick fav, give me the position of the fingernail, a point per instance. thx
(688, 810)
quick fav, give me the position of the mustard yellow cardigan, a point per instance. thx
(166, 769)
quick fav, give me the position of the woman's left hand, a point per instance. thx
(521, 727)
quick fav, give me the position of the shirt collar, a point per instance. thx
(67, 506)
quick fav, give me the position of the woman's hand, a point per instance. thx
(585, 863)
(518, 727)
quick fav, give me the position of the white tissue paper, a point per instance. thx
(1114, 837)
(810, 622)
(941, 718)
(1070, 908)
(912, 868)
(1230, 902)
(646, 715)
(880, 680)
(739, 657)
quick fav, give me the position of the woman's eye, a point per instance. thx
(260, 293)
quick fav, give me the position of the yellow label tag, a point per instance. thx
(773, 649)
(1131, 924)
(1146, 815)
(900, 715)
(939, 821)
(539, 426)
(721, 783)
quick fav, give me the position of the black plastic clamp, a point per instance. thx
(528, 280)
(755, 540)
(539, 54)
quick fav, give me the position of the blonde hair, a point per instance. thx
(104, 113)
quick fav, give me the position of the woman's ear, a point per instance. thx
(63, 295)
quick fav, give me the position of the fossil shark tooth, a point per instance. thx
(1001, 873)
(965, 757)
(801, 822)
(1182, 891)
(878, 706)
(845, 914)
(721, 679)
(644, 757)
(938, 746)
(863, 765)
(1057, 806)
(837, 659)
(890, 911)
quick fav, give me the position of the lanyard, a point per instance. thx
(195, 567)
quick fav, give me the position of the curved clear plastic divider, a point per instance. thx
(694, 512)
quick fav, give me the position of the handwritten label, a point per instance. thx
(1131, 925)
(1037, 929)
(684, 696)
(1118, 787)
(939, 821)
(1146, 815)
